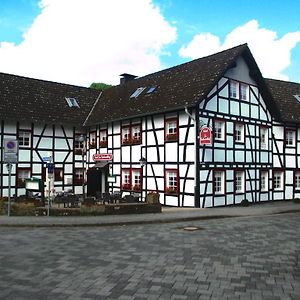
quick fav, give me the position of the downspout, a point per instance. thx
(196, 175)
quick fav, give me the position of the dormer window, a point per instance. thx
(137, 92)
(72, 102)
(297, 97)
(152, 89)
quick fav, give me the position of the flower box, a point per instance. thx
(171, 190)
(137, 188)
(92, 145)
(136, 141)
(78, 151)
(103, 144)
(172, 137)
(126, 186)
(126, 142)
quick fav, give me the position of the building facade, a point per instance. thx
(144, 135)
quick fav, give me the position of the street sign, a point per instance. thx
(11, 147)
(102, 156)
(46, 158)
(205, 136)
(50, 169)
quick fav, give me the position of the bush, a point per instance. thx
(94, 210)
(23, 209)
(3, 206)
(297, 200)
(245, 202)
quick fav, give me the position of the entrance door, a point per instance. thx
(94, 182)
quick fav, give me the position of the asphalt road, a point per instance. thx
(254, 257)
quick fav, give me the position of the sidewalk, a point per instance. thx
(169, 214)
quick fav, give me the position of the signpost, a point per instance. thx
(205, 136)
(50, 175)
(11, 149)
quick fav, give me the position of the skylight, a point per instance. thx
(72, 102)
(297, 97)
(152, 89)
(137, 92)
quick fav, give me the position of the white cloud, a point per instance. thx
(272, 54)
(82, 41)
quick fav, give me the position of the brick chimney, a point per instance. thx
(126, 77)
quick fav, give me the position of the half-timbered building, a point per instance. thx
(144, 134)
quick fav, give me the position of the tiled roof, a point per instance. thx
(283, 94)
(30, 100)
(177, 87)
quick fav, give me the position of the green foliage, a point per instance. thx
(100, 86)
(245, 202)
(297, 200)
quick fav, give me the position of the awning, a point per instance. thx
(100, 164)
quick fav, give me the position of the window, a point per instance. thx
(24, 137)
(22, 174)
(131, 134)
(136, 179)
(263, 138)
(171, 181)
(72, 102)
(297, 180)
(264, 181)
(239, 181)
(78, 176)
(131, 179)
(136, 134)
(233, 89)
(151, 90)
(243, 91)
(78, 145)
(92, 141)
(239, 133)
(277, 180)
(171, 130)
(290, 137)
(219, 182)
(103, 138)
(137, 92)
(219, 130)
(58, 174)
(297, 97)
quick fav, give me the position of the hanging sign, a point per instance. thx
(205, 136)
(102, 156)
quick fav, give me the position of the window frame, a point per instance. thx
(223, 182)
(171, 136)
(19, 182)
(223, 130)
(243, 181)
(266, 189)
(233, 83)
(264, 146)
(78, 181)
(171, 190)
(295, 180)
(103, 143)
(241, 94)
(294, 139)
(24, 131)
(282, 180)
(58, 177)
(236, 124)
(131, 185)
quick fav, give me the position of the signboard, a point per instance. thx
(50, 169)
(46, 158)
(102, 156)
(205, 136)
(11, 147)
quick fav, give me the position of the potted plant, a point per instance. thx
(171, 137)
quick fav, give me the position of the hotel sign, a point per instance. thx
(205, 136)
(102, 157)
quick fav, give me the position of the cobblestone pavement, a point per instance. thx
(235, 258)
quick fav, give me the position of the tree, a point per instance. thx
(100, 86)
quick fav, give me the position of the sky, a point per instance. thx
(83, 41)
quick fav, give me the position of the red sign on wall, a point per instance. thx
(205, 136)
(102, 156)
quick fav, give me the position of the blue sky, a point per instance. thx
(63, 40)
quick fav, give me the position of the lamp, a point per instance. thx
(143, 161)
